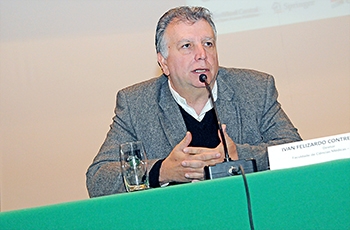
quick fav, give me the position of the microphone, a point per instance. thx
(203, 78)
(228, 167)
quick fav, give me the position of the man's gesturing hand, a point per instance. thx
(185, 164)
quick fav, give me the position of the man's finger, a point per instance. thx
(185, 141)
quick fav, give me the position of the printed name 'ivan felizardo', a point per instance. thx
(317, 143)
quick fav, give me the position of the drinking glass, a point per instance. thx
(134, 166)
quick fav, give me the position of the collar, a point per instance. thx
(182, 102)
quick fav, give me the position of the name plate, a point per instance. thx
(309, 152)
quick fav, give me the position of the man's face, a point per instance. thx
(191, 52)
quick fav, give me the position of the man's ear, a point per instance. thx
(163, 64)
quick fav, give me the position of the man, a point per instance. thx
(174, 118)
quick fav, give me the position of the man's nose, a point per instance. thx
(201, 53)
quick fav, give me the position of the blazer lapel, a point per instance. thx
(228, 110)
(170, 116)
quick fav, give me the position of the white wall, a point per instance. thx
(62, 62)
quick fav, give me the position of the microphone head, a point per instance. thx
(202, 78)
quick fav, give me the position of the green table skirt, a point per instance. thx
(309, 197)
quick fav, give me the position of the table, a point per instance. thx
(308, 197)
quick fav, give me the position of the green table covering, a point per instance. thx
(309, 197)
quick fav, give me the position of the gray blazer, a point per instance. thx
(247, 104)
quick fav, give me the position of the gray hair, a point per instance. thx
(184, 14)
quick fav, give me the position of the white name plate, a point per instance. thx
(309, 152)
